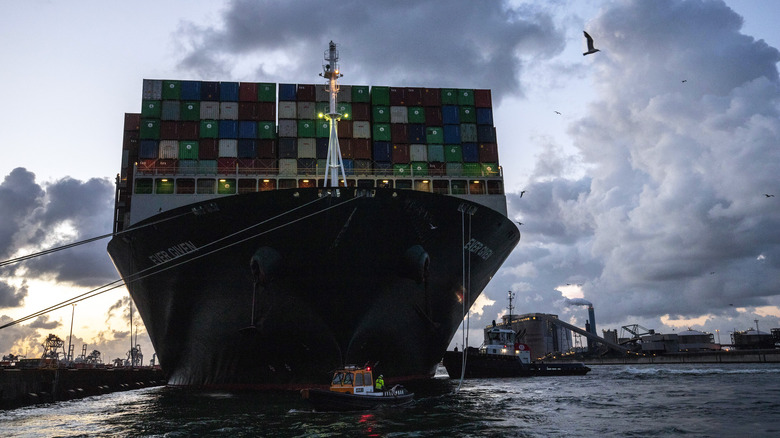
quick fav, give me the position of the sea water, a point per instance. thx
(734, 400)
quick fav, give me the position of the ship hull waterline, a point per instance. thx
(276, 289)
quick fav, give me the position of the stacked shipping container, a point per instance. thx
(231, 128)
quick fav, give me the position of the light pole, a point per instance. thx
(70, 338)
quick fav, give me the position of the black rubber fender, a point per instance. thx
(265, 265)
(415, 264)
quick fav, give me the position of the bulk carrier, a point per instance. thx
(269, 234)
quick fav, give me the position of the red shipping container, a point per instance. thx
(306, 93)
(361, 111)
(361, 148)
(399, 133)
(208, 149)
(345, 145)
(482, 99)
(169, 130)
(165, 166)
(147, 166)
(266, 110)
(396, 96)
(188, 130)
(247, 91)
(431, 97)
(400, 153)
(266, 149)
(413, 97)
(246, 165)
(437, 168)
(249, 111)
(345, 128)
(488, 153)
(433, 116)
(226, 165)
(132, 121)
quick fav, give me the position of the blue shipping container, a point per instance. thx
(349, 167)
(486, 134)
(247, 129)
(228, 129)
(416, 133)
(451, 134)
(190, 90)
(450, 114)
(209, 91)
(484, 116)
(322, 148)
(148, 149)
(228, 91)
(470, 152)
(288, 147)
(287, 91)
(383, 151)
(247, 148)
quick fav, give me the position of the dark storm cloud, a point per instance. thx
(32, 219)
(11, 296)
(42, 322)
(672, 219)
(407, 43)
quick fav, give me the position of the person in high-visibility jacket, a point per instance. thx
(379, 384)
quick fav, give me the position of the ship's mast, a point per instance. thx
(333, 162)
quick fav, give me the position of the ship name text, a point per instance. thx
(173, 252)
(479, 248)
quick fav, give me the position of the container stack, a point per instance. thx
(232, 128)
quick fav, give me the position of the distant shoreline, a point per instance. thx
(721, 357)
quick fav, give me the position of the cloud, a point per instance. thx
(460, 43)
(42, 322)
(11, 296)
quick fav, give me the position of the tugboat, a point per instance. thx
(502, 355)
(352, 389)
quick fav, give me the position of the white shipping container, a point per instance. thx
(418, 152)
(152, 89)
(306, 110)
(287, 109)
(307, 148)
(399, 114)
(361, 129)
(288, 166)
(169, 149)
(228, 148)
(209, 110)
(228, 110)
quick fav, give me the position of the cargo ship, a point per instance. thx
(271, 233)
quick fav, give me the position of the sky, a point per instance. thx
(645, 196)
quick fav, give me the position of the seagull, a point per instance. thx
(765, 194)
(591, 50)
(519, 223)
(685, 80)
(521, 193)
(558, 112)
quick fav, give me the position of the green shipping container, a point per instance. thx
(344, 108)
(419, 168)
(207, 167)
(434, 134)
(472, 169)
(266, 92)
(490, 169)
(416, 114)
(151, 109)
(380, 96)
(455, 169)
(306, 128)
(150, 129)
(188, 150)
(360, 93)
(466, 97)
(468, 133)
(381, 131)
(468, 114)
(453, 153)
(323, 128)
(449, 96)
(401, 170)
(380, 114)
(190, 111)
(164, 186)
(436, 152)
(226, 186)
(171, 90)
(321, 108)
(209, 129)
(266, 130)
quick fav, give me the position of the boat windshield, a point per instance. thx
(347, 379)
(337, 379)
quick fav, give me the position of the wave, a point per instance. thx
(697, 370)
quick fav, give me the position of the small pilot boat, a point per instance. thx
(352, 389)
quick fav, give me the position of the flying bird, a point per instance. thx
(558, 112)
(765, 194)
(521, 193)
(591, 49)
(685, 80)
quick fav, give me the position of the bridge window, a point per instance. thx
(164, 186)
(385, 184)
(422, 185)
(403, 184)
(206, 186)
(458, 187)
(143, 186)
(365, 183)
(267, 184)
(288, 184)
(304, 183)
(477, 187)
(441, 187)
(226, 186)
(185, 186)
(495, 188)
(246, 185)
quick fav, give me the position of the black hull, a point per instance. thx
(329, 401)
(488, 366)
(367, 277)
